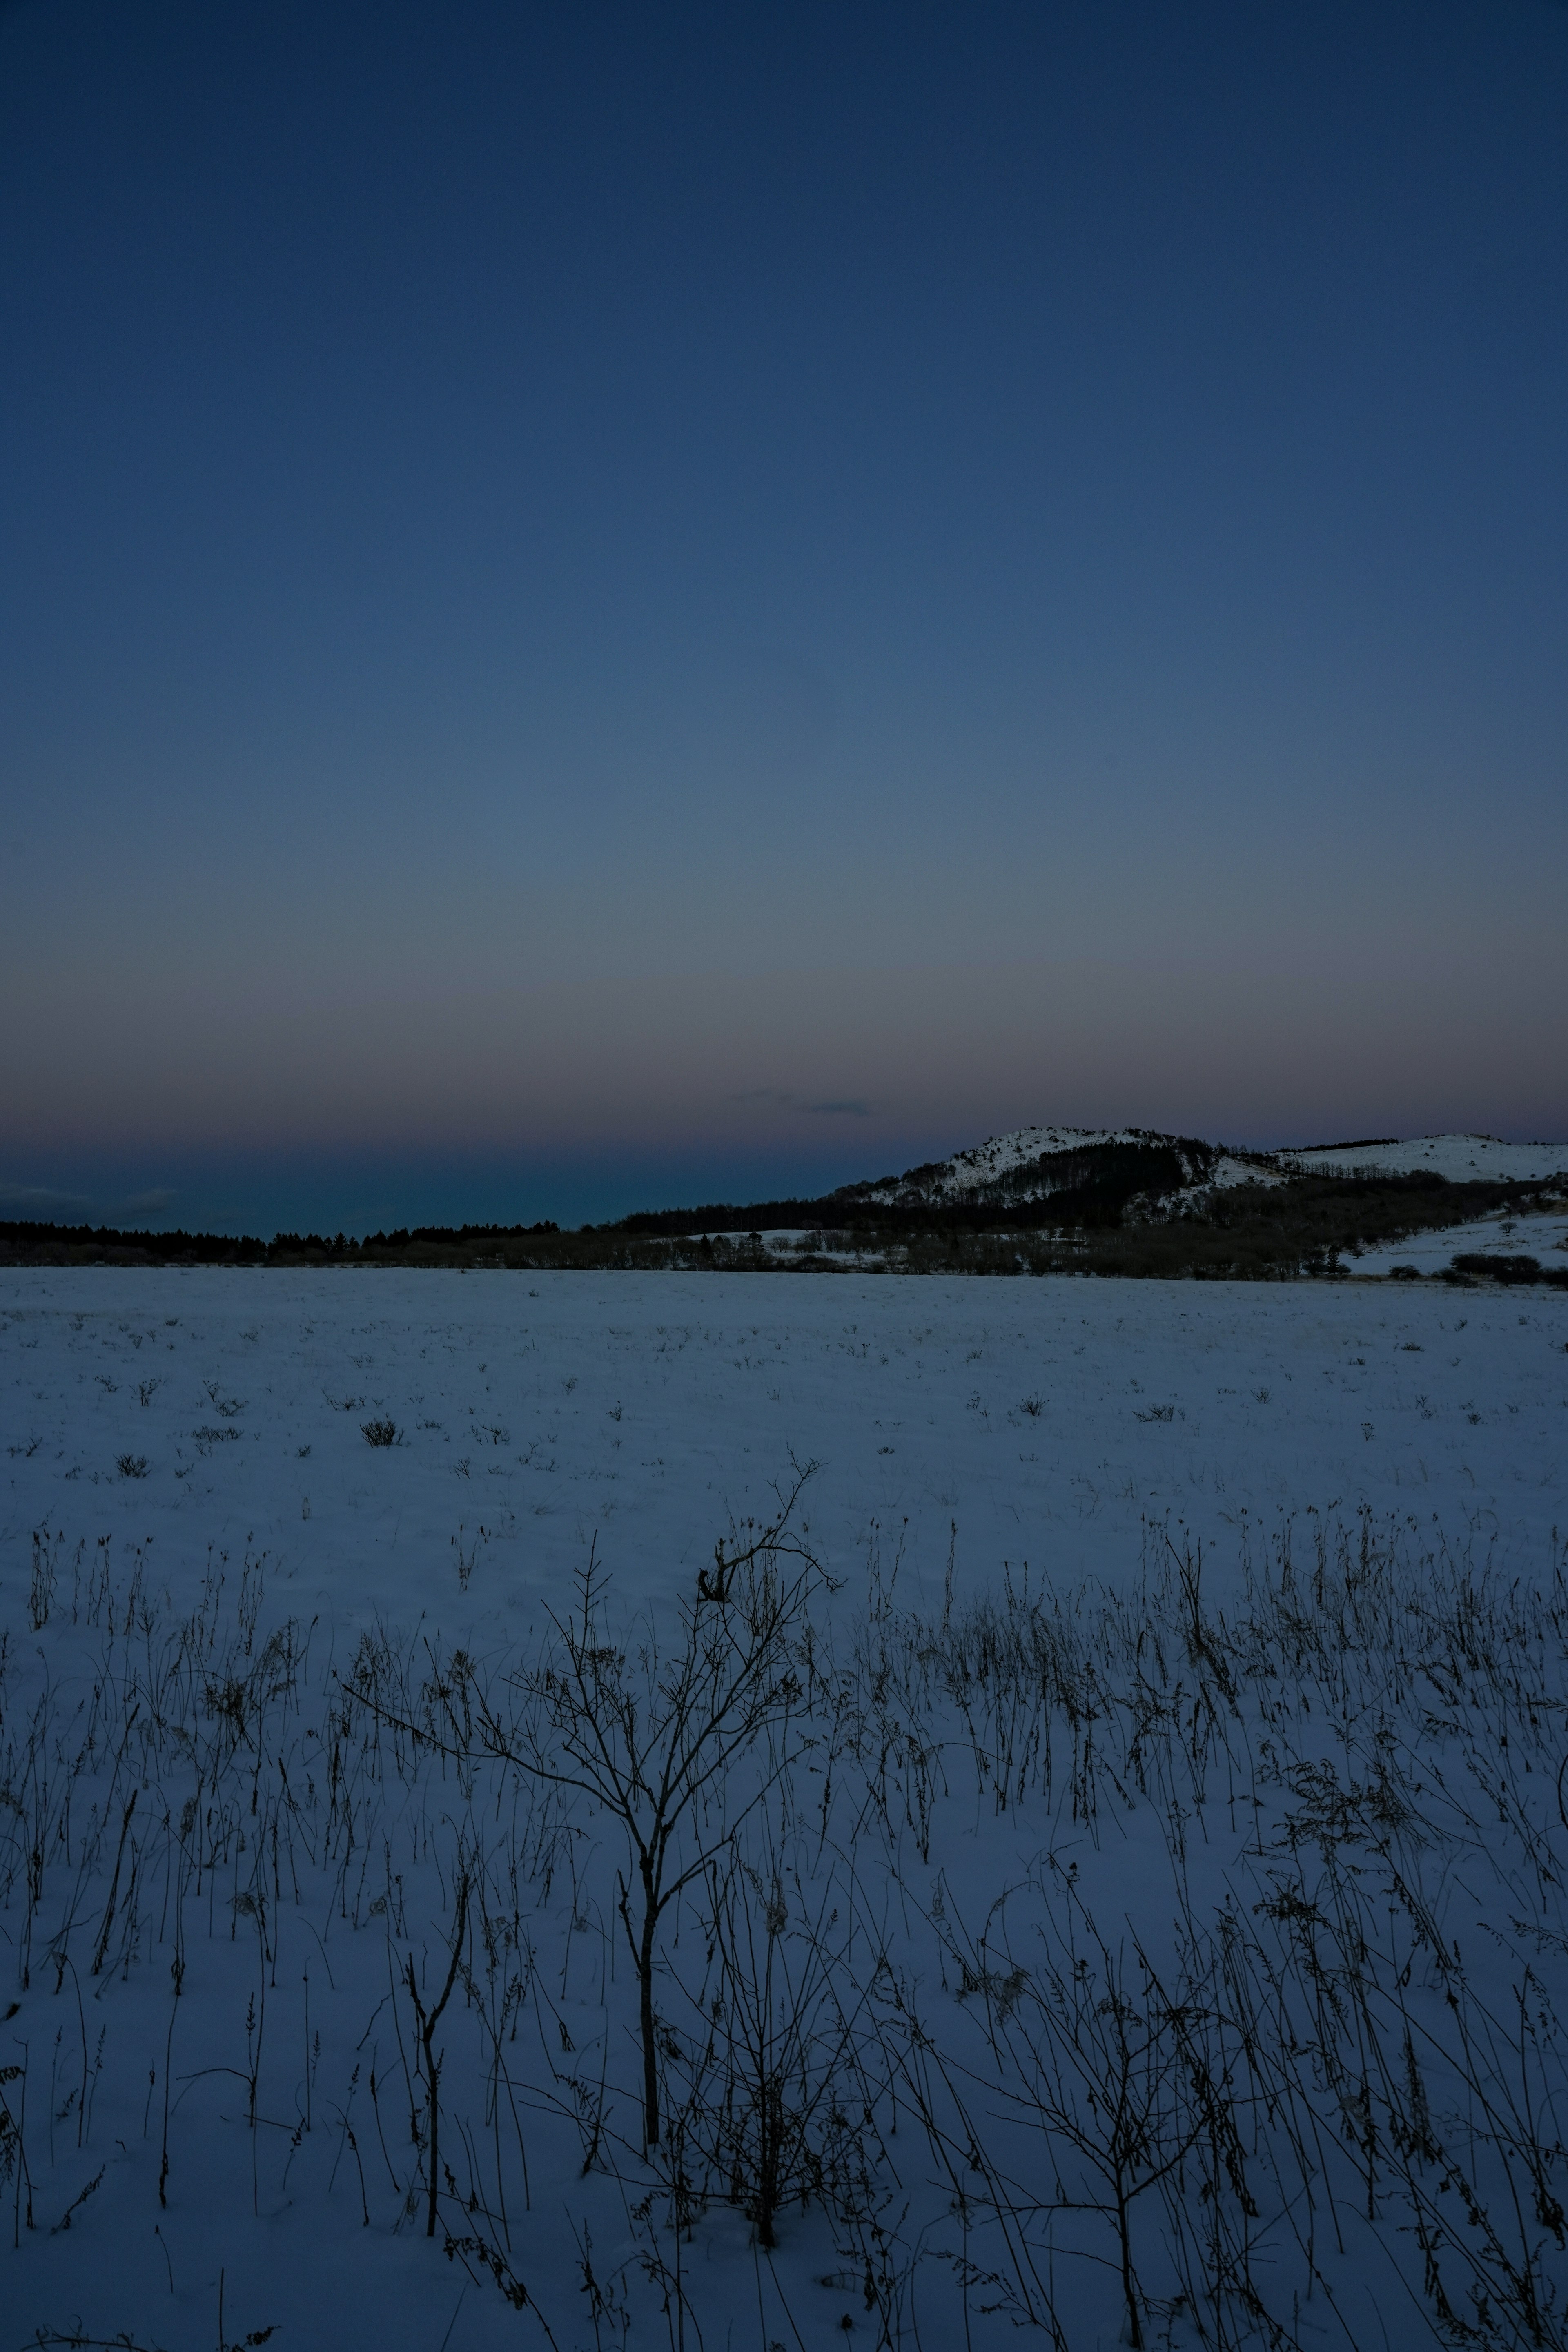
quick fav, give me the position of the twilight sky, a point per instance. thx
(608, 604)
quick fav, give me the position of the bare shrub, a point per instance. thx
(774, 2062)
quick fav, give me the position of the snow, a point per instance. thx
(1000, 1154)
(908, 1392)
(1504, 1235)
(973, 1438)
(1228, 1172)
(1462, 1159)
(1223, 1176)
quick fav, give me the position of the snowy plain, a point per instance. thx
(1070, 1438)
(651, 1410)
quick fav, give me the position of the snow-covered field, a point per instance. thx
(222, 1852)
(1504, 1235)
(1461, 1159)
(649, 1409)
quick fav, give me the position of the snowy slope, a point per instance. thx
(1228, 1171)
(1504, 1235)
(988, 1166)
(1462, 1159)
(1001, 1154)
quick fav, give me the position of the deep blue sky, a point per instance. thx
(609, 604)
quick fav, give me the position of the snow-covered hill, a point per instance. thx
(1155, 1177)
(1039, 1160)
(1002, 1155)
(1032, 1161)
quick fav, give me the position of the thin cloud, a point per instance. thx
(851, 1108)
(39, 1196)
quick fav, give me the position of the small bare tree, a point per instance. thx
(1100, 2068)
(656, 1735)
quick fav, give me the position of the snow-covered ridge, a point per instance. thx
(966, 1171)
(1462, 1159)
(1029, 1163)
